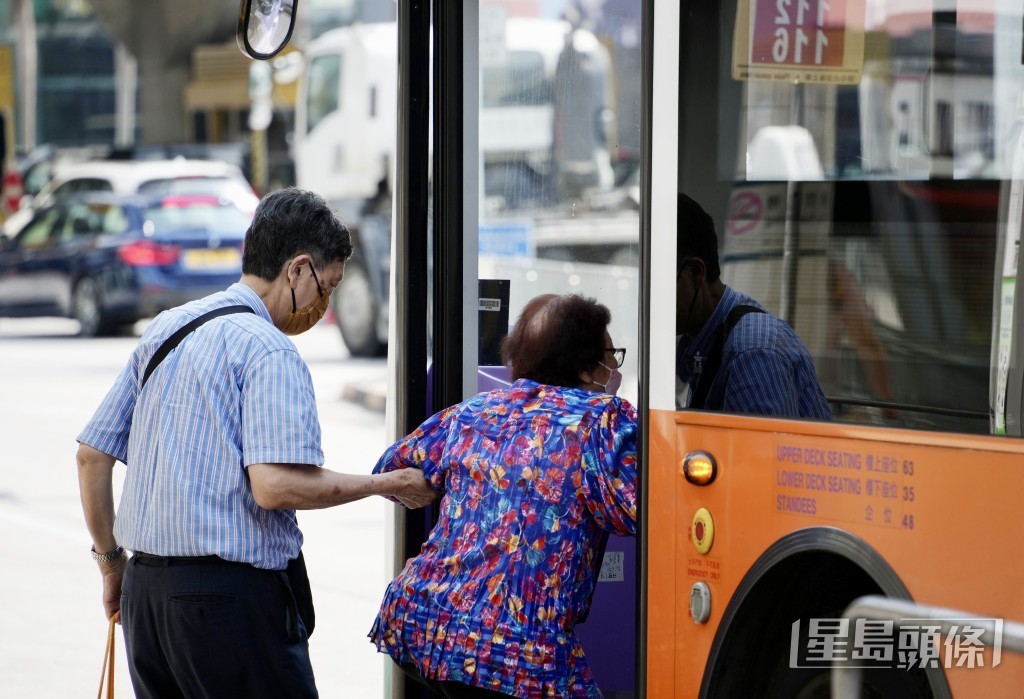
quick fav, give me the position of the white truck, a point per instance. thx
(542, 138)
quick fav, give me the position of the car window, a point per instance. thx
(115, 220)
(82, 220)
(176, 215)
(83, 184)
(36, 234)
(236, 191)
(185, 185)
(36, 176)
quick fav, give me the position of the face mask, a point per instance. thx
(302, 319)
(614, 380)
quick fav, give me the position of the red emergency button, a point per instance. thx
(702, 531)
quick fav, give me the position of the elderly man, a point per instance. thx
(216, 420)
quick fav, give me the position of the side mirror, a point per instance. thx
(264, 27)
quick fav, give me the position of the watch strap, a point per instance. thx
(109, 556)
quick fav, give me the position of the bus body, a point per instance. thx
(893, 256)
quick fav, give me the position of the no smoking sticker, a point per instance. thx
(745, 212)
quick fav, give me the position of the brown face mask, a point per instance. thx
(302, 319)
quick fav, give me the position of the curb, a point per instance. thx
(371, 396)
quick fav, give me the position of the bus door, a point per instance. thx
(861, 163)
(492, 230)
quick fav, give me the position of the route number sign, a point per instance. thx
(805, 41)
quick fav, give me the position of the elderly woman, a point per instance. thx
(534, 477)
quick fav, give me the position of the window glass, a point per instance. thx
(37, 233)
(82, 220)
(855, 166)
(201, 216)
(559, 137)
(519, 80)
(324, 89)
(83, 184)
(115, 220)
(231, 189)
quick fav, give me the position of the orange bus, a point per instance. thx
(863, 162)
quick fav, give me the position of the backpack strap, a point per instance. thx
(714, 360)
(179, 335)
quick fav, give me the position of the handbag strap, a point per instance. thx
(179, 335)
(714, 360)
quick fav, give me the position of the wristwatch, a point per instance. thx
(109, 556)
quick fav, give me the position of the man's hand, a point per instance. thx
(409, 487)
(113, 573)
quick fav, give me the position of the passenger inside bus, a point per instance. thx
(534, 476)
(731, 353)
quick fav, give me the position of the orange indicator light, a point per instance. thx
(700, 468)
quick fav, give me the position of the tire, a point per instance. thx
(355, 311)
(752, 656)
(87, 308)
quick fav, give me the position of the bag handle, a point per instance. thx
(714, 361)
(179, 335)
(107, 672)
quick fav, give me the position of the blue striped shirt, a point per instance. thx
(235, 392)
(766, 368)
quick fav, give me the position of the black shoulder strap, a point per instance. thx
(179, 335)
(714, 360)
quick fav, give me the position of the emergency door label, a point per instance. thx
(806, 41)
(704, 568)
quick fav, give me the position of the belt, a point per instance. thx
(150, 559)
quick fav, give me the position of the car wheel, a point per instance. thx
(87, 308)
(355, 312)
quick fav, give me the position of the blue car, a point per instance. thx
(109, 260)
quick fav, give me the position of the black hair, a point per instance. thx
(696, 237)
(556, 338)
(289, 222)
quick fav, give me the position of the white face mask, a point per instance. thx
(614, 380)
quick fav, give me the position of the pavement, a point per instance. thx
(371, 395)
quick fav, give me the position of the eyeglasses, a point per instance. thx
(619, 353)
(319, 289)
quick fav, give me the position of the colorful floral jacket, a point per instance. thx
(533, 478)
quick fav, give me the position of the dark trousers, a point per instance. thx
(208, 628)
(451, 690)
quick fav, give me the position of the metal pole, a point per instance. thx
(791, 235)
(25, 20)
(126, 79)
(846, 681)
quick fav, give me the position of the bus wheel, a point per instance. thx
(356, 310)
(87, 309)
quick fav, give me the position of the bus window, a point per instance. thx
(857, 196)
